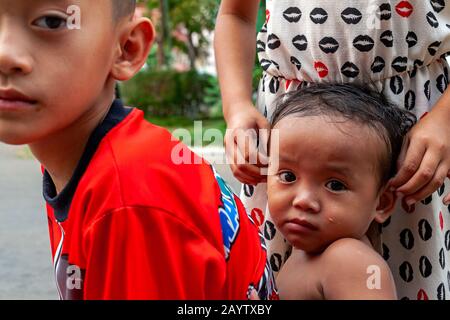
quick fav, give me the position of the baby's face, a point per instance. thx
(325, 186)
(51, 75)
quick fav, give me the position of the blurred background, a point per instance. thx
(177, 86)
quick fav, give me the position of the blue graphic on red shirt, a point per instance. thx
(229, 215)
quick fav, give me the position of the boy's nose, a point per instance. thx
(13, 59)
(306, 200)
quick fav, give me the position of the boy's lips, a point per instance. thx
(13, 100)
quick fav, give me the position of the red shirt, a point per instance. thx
(132, 224)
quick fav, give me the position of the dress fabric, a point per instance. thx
(400, 48)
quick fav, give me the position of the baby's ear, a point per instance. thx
(135, 42)
(386, 204)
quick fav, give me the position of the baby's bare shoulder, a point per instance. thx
(354, 270)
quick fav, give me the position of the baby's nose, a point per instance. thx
(307, 200)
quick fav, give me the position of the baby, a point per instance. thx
(333, 150)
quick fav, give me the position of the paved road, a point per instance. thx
(25, 259)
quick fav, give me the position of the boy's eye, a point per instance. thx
(51, 22)
(335, 185)
(287, 177)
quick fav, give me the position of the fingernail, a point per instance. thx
(446, 202)
(410, 202)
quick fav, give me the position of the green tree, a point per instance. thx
(192, 20)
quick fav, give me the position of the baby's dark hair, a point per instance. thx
(123, 8)
(359, 103)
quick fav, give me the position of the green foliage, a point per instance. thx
(168, 93)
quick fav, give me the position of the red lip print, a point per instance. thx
(441, 221)
(321, 69)
(288, 84)
(267, 16)
(257, 216)
(421, 295)
(404, 9)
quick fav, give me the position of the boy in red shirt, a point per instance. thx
(125, 221)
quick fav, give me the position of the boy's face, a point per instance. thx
(326, 184)
(50, 75)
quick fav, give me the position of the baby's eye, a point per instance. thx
(336, 185)
(52, 22)
(287, 177)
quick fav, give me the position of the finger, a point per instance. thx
(446, 199)
(245, 169)
(410, 164)
(423, 176)
(434, 184)
(247, 142)
(243, 178)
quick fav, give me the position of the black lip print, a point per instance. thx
(386, 252)
(260, 46)
(300, 42)
(442, 258)
(296, 63)
(329, 45)
(438, 5)
(427, 200)
(407, 239)
(292, 14)
(410, 100)
(441, 292)
(378, 65)
(303, 84)
(248, 190)
(265, 64)
(441, 190)
(447, 240)
(363, 43)
(275, 262)
(265, 110)
(318, 16)
(425, 266)
(432, 20)
(427, 90)
(417, 64)
(425, 231)
(351, 16)
(446, 75)
(269, 230)
(396, 85)
(274, 85)
(406, 271)
(448, 278)
(385, 12)
(387, 38)
(273, 42)
(433, 48)
(264, 28)
(411, 39)
(441, 83)
(350, 70)
(400, 64)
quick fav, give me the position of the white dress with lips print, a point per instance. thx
(400, 46)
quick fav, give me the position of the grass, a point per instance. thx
(194, 128)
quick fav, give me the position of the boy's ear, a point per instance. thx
(386, 203)
(135, 43)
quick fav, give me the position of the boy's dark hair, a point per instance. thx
(123, 8)
(353, 102)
